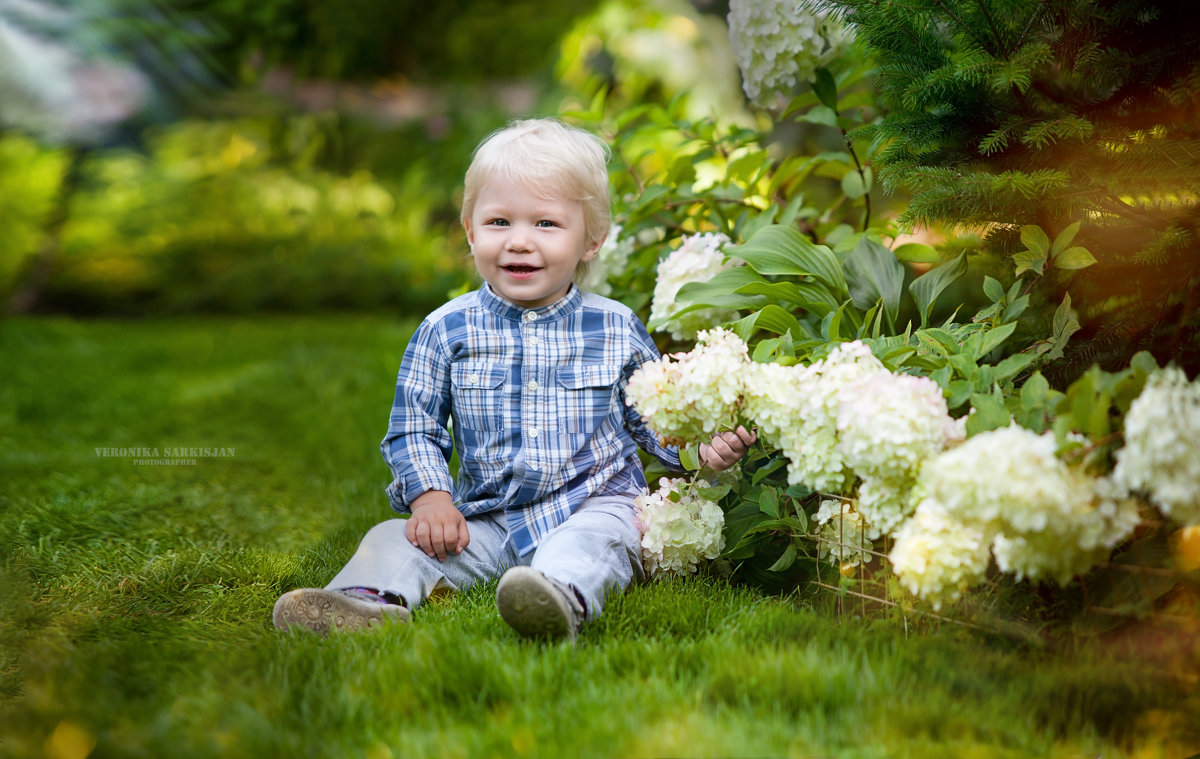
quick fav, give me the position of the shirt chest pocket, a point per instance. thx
(586, 395)
(479, 395)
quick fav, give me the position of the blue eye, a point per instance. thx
(498, 222)
(546, 223)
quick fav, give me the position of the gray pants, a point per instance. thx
(597, 550)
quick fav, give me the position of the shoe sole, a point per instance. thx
(327, 611)
(532, 606)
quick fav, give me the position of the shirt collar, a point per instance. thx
(564, 306)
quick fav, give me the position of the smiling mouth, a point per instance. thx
(519, 269)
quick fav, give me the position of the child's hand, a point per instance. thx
(436, 527)
(726, 448)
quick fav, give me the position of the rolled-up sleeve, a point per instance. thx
(418, 444)
(644, 350)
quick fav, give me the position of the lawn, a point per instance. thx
(135, 595)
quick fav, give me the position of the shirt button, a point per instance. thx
(473, 379)
(532, 386)
(530, 316)
(533, 432)
(535, 341)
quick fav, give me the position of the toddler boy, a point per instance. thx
(531, 371)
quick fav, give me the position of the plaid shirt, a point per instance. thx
(537, 399)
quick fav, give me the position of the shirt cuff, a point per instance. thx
(408, 486)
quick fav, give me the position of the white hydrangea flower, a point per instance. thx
(828, 509)
(1161, 456)
(885, 503)
(796, 410)
(1010, 477)
(780, 43)
(843, 541)
(679, 527)
(937, 556)
(1101, 517)
(888, 424)
(689, 397)
(610, 261)
(1049, 521)
(697, 259)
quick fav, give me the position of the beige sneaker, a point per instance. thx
(327, 611)
(538, 607)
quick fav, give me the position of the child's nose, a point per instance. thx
(518, 238)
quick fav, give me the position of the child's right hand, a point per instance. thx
(436, 527)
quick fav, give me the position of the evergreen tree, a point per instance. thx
(1004, 113)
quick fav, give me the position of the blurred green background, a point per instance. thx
(228, 156)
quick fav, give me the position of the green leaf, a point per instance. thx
(820, 115)
(1144, 362)
(1015, 308)
(874, 274)
(730, 300)
(990, 414)
(721, 284)
(940, 340)
(895, 358)
(1035, 391)
(926, 288)
(768, 469)
(917, 253)
(782, 251)
(1074, 258)
(768, 502)
(831, 325)
(775, 319)
(786, 560)
(1035, 238)
(958, 392)
(1012, 366)
(853, 185)
(826, 88)
(993, 289)
(1028, 260)
(994, 337)
(808, 295)
(1061, 315)
(689, 457)
(716, 492)
(1064, 239)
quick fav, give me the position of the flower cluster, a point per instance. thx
(842, 416)
(888, 425)
(680, 528)
(1040, 518)
(843, 540)
(796, 410)
(609, 262)
(937, 556)
(697, 259)
(1161, 456)
(780, 43)
(689, 397)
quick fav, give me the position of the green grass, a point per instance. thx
(135, 600)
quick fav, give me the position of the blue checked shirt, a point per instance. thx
(537, 399)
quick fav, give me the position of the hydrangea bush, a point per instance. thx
(897, 388)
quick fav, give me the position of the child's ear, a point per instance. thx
(470, 234)
(594, 248)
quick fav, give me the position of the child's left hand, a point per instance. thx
(726, 448)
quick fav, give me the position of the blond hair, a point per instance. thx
(554, 160)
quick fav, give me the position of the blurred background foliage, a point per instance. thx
(290, 155)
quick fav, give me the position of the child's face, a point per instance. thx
(525, 246)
